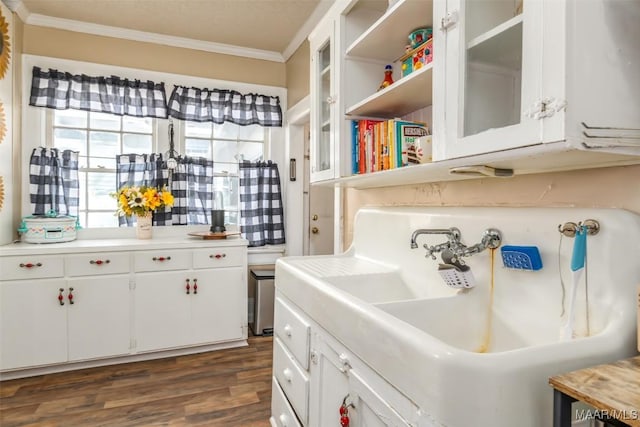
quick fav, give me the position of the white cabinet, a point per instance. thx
(33, 323)
(98, 321)
(490, 75)
(334, 376)
(65, 304)
(185, 306)
(520, 85)
(324, 100)
(162, 310)
(219, 309)
(56, 320)
(524, 72)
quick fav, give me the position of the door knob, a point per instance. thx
(314, 230)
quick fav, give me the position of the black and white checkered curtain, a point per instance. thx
(219, 106)
(192, 189)
(191, 186)
(143, 169)
(59, 90)
(53, 181)
(261, 213)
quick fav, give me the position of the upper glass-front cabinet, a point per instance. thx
(323, 99)
(491, 76)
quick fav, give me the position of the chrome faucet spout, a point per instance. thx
(453, 234)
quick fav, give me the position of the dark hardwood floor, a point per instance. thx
(220, 388)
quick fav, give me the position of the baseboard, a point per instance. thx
(72, 366)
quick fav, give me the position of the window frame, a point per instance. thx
(33, 128)
(49, 120)
(181, 136)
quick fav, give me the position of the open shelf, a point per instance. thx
(500, 46)
(404, 96)
(386, 38)
(540, 158)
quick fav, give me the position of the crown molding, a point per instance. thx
(302, 34)
(321, 9)
(143, 36)
(18, 7)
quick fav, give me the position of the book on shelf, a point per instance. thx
(379, 145)
(414, 142)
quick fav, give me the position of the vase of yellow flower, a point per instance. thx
(141, 202)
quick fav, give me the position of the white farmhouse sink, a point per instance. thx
(480, 357)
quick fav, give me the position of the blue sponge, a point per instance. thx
(521, 257)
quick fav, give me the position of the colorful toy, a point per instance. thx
(388, 79)
(419, 36)
(417, 58)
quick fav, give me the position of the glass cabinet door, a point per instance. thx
(495, 76)
(493, 67)
(323, 150)
(323, 104)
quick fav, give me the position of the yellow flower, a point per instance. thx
(167, 198)
(139, 200)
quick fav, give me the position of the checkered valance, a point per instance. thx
(219, 106)
(59, 90)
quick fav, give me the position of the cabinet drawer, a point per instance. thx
(293, 330)
(162, 260)
(293, 379)
(97, 264)
(31, 267)
(219, 257)
(282, 414)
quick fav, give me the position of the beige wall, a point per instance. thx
(149, 56)
(17, 119)
(298, 75)
(615, 187)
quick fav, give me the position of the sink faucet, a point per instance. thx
(491, 239)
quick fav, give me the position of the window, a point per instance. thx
(99, 137)
(226, 144)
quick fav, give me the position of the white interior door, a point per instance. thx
(319, 211)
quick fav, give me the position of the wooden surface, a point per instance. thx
(614, 388)
(208, 235)
(220, 388)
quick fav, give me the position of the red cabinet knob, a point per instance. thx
(99, 262)
(188, 287)
(218, 256)
(70, 296)
(195, 286)
(161, 258)
(30, 265)
(60, 297)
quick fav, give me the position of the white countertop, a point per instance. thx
(109, 245)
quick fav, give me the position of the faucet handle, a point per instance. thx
(430, 251)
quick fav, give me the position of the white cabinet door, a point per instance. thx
(33, 323)
(162, 310)
(99, 318)
(370, 409)
(218, 306)
(490, 80)
(329, 382)
(324, 97)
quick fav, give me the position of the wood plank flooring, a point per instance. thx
(220, 388)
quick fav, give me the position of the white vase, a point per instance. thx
(143, 226)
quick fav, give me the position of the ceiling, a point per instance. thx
(269, 25)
